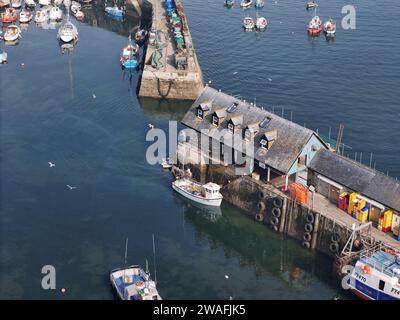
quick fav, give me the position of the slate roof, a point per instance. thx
(357, 177)
(291, 137)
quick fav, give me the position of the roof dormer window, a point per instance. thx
(215, 121)
(200, 113)
(264, 143)
(231, 127)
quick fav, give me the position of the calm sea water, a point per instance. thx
(80, 111)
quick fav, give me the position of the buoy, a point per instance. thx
(63, 290)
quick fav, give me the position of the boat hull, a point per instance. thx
(200, 200)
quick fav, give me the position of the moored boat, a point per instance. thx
(330, 27)
(206, 194)
(44, 2)
(261, 23)
(129, 55)
(311, 5)
(315, 26)
(248, 23)
(9, 15)
(40, 16)
(3, 57)
(30, 3)
(246, 3)
(55, 13)
(67, 32)
(259, 4)
(75, 6)
(376, 275)
(229, 3)
(25, 16)
(16, 4)
(79, 15)
(4, 3)
(12, 33)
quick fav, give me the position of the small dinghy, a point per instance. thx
(311, 5)
(30, 3)
(16, 4)
(44, 2)
(25, 16)
(3, 57)
(129, 55)
(41, 16)
(9, 15)
(12, 33)
(330, 28)
(315, 26)
(67, 32)
(75, 7)
(79, 15)
(261, 23)
(229, 3)
(206, 194)
(4, 3)
(248, 23)
(140, 35)
(246, 3)
(259, 4)
(55, 14)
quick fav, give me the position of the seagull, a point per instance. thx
(235, 72)
(51, 164)
(22, 64)
(70, 187)
(150, 126)
(210, 82)
(226, 276)
(269, 79)
(94, 96)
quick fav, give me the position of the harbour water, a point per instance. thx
(80, 111)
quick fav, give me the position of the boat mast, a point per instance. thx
(154, 258)
(126, 250)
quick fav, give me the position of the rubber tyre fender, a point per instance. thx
(306, 244)
(310, 218)
(274, 221)
(277, 202)
(259, 217)
(276, 212)
(261, 206)
(335, 237)
(262, 194)
(308, 227)
(334, 247)
(307, 237)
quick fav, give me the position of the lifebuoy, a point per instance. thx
(308, 227)
(274, 221)
(259, 217)
(306, 244)
(277, 202)
(310, 218)
(260, 205)
(334, 247)
(276, 212)
(307, 237)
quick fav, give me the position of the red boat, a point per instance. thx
(9, 15)
(315, 26)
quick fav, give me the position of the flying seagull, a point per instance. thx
(51, 164)
(70, 187)
(94, 96)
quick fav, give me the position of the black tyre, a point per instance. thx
(277, 202)
(276, 212)
(308, 227)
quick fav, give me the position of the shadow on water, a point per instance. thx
(165, 109)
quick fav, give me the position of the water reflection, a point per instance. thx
(166, 109)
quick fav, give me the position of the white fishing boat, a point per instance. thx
(376, 274)
(261, 23)
(311, 5)
(30, 3)
(79, 15)
(165, 163)
(16, 4)
(67, 32)
(41, 16)
(248, 23)
(246, 3)
(206, 194)
(4, 3)
(25, 16)
(330, 27)
(58, 2)
(44, 2)
(75, 6)
(55, 14)
(12, 33)
(3, 57)
(133, 283)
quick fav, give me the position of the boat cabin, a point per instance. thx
(210, 190)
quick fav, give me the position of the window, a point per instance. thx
(200, 113)
(215, 121)
(231, 127)
(264, 123)
(381, 285)
(232, 107)
(263, 143)
(247, 134)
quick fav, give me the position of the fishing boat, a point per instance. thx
(40, 16)
(3, 57)
(58, 2)
(140, 36)
(67, 32)
(44, 2)
(16, 4)
(75, 6)
(4, 3)
(259, 4)
(229, 3)
(261, 23)
(55, 13)
(315, 26)
(311, 5)
(79, 15)
(129, 55)
(246, 3)
(376, 274)
(248, 23)
(134, 283)
(30, 3)
(115, 11)
(12, 33)
(206, 194)
(165, 163)
(330, 27)
(25, 16)
(9, 15)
